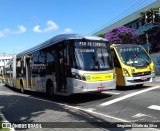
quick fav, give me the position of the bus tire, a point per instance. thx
(49, 89)
(21, 87)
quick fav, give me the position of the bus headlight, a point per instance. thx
(153, 69)
(125, 72)
(78, 76)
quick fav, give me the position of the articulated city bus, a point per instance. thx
(133, 66)
(64, 65)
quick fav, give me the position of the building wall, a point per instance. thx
(4, 59)
(132, 21)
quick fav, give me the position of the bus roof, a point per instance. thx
(60, 38)
(124, 45)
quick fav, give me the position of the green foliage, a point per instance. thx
(101, 35)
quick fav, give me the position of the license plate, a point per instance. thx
(101, 88)
(143, 78)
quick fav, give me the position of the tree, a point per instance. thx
(155, 40)
(101, 35)
(122, 35)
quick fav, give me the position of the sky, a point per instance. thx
(27, 23)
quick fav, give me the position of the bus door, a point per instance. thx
(61, 71)
(28, 71)
(118, 69)
(11, 74)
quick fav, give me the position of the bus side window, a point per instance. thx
(66, 60)
(50, 63)
(115, 59)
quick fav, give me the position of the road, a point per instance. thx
(132, 104)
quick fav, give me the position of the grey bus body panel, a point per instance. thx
(79, 86)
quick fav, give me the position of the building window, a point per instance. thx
(137, 25)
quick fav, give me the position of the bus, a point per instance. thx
(10, 72)
(133, 65)
(63, 65)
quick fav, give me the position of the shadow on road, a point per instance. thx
(72, 100)
(20, 109)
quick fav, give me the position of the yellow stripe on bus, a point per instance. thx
(98, 77)
(18, 83)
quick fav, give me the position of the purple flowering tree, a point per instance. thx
(122, 35)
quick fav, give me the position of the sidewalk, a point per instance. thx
(3, 120)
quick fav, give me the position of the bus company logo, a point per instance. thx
(88, 77)
(6, 125)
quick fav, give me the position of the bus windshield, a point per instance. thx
(134, 56)
(92, 55)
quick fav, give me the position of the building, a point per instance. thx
(4, 58)
(143, 28)
(144, 31)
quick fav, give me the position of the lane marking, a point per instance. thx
(139, 115)
(154, 107)
(1, 84)
(128, 96)
(109, 92)
(68, 106)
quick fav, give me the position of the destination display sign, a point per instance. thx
(130, 49)
(92, 44)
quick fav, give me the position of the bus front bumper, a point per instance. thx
(98, 86)
(129, 81)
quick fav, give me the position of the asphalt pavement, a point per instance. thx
(65, 117)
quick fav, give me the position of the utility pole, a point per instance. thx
(147, 42)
